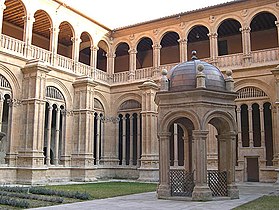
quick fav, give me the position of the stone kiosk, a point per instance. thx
(193, 95)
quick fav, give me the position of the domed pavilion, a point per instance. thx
(194, 95)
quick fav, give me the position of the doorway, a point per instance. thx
(252, 169)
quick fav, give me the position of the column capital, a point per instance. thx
(163, 135)
(28, 17)
(76, 39)
(245, 29)
(94, 48)
(212, 35)
(132, 51)
(156, 46)
(183, 40)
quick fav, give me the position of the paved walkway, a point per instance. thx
(148, 201)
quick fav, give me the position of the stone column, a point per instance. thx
(75, 51)
(138, 140)
(175, 145)
(132, 64)
(186, 153)
(124, 140)
(2, 8)
(54, 32)
(84, 91)
(110, 63)
(2, 99)
(156, 58)
(222, 152)
(213, 40)
(27, 34)
(131, 140)
(183, 49)
(66, 137)
(57, 132)
(33, 102)
(93, 58)
(277, 26)
(98, 139)
(262, 125)
(164, 190)
(246, 45)
(201, 190)
(149, 114)
(48, 135)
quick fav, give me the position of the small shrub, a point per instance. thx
(14, 202)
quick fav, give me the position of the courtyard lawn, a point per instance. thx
(108, 189)
(266, 202)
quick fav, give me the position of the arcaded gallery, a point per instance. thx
(80, 101)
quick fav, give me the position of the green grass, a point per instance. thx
(108, 189)
(265, 202)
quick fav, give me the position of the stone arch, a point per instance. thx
(221, 120)
(125, 97)
(257, 11)
(169, 118)
(103, 100)
(142, 37)
(116, 44)
(12, 79)
(64, 90)
(166, 31)
(256, 83)
(197, 23)
(223, 18)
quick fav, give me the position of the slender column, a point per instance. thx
(75, 50)
(2, 8)
(98, 140)
(183, 49)
(250, 119)
(246, 44)
(138, 140)
(164, 183)
(102, 143)
(262, 126)
(238, 114)
(93, 58)
(48, 137)
(63, 126)
(132, 63)
(27, 35)
(186, 153)
(213, 47)
(110, 62)
(222, 152)
(156, 57)
(117, 130)
(277, 26)
(131, 139)
(54, 32)
(57, 131)
(124, 141)
(175, 144)
(2, 99)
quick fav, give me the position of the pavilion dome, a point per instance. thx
(183, 76)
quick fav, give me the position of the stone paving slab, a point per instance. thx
(149, 201)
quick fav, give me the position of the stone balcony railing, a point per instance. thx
(19, 48)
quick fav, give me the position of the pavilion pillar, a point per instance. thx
(83, 112)
(54, 32)
(183, 49)
(213, 40)
(156, 58)
(93, 56)
(149, 114)
(27, 35)
(246, 44)
(201, 189)
(132, 64)
(164, 190)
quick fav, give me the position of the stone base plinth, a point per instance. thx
(148, 174)
(163, 191)
(233, 192)
(31, 176)
(202, 193)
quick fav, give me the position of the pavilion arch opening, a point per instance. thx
(85, 49)
(54, 132)
(129, 135)
(6, 96)
(13, 19)
(102, 54)
(229, 37)
(99, 117)
(198, 40)
(263, 31)
(181, 158)
(41, 30)
(65, 42)
(144, 53)
(122, 58)
(170, 48)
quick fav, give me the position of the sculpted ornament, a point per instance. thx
(156, 31)
(211, 18)
(182, 25)
(244, 12)
(132, 37)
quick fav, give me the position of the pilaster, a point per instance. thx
(33, 105)
(150, 153)
(83, 115)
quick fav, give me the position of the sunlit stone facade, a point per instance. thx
(77, 98)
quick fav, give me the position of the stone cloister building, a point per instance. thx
(77, 98)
